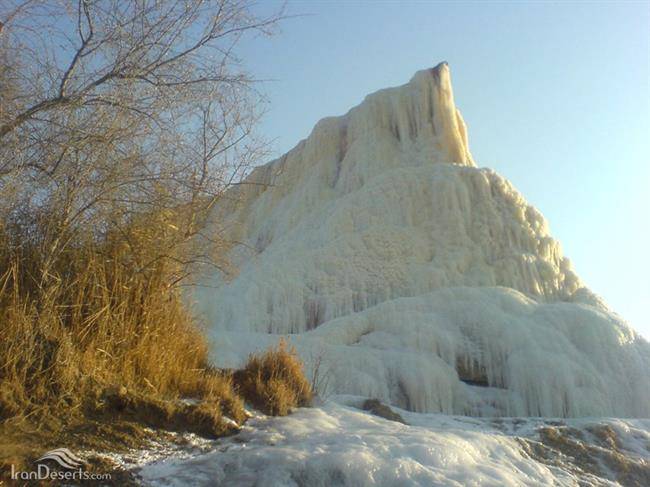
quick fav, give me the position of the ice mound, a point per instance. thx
(418, 278)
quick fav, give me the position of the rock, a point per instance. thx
(375, 407)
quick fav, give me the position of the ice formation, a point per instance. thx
(343, 446)
(383, 252)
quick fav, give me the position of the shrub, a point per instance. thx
(274, 381)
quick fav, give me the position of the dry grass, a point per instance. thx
(96, 325)
(93, 326)
(274, 381)
(99, 348)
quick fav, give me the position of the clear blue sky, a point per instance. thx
(556, 97)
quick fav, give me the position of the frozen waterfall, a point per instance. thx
(384, 253)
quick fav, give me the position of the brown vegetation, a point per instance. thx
(98, 352)
(94, 324)
(274, 381)
(97, 343)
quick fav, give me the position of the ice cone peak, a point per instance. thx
(377, 244)
(421, 113)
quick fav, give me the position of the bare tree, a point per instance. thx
(125, 119)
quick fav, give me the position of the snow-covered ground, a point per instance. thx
(338, 444)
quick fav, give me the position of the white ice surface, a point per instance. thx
(541, 359)
(382, 249)
(337, 445)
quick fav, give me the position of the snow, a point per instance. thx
(336, 444)
(383, 252)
